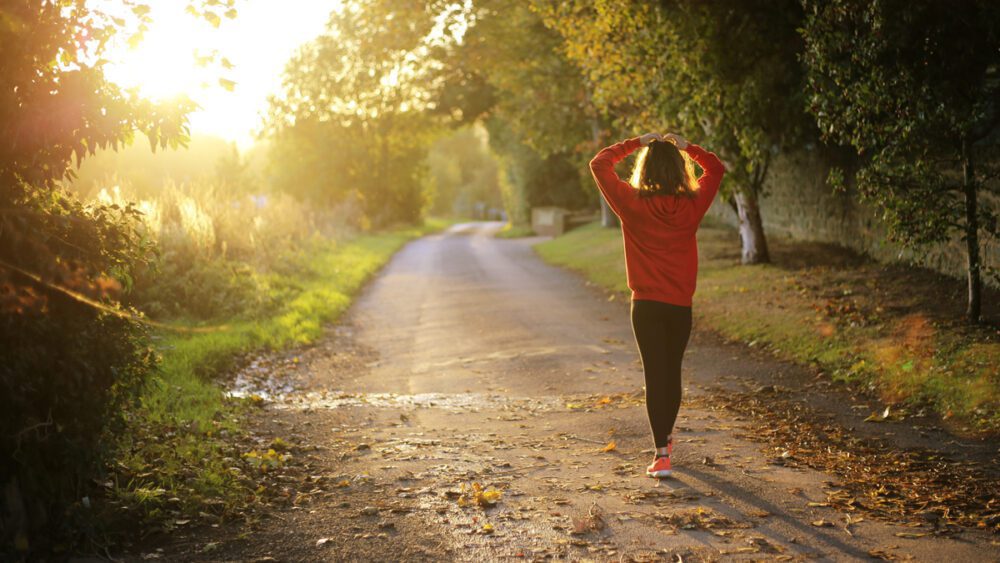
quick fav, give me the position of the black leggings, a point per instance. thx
(661, 332)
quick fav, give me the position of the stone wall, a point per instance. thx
(799, 205)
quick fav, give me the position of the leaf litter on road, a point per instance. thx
(875, 476)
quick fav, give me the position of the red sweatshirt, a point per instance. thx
(661, 254)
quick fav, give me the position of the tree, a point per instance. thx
(355, 118)
(72, 358)
(914, 88)
(57, 107)
(465, 174)
(511, 73)
(728, 69)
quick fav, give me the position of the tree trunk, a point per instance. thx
(752, 239)
(974, 309)
(608, 217)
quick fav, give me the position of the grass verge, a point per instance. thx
(511, 230)
(896, 330)
(186, 456)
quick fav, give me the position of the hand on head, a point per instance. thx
(649, 138)
(674, 138)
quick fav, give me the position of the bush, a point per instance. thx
(72, 359)
(217, 249)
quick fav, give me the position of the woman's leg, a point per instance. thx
(661, 333)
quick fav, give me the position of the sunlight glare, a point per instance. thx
(164, 65)
(258, 42)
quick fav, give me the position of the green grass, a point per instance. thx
(511, 230)
(184, 437)
(813, 306)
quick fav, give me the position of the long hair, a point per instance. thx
(661, 169)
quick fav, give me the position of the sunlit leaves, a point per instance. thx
(212, 11)
(352, 125)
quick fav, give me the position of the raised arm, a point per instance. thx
(617, 192)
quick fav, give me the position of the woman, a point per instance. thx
(660, 213)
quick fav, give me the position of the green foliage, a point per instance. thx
(904, 84)
(913, 88)
(530, 179)
(68, 368)
(511, 230)
(510, 72)
(537, 92)
(352, 125)
(72, 358)
(57, 103)
(463, 172)
(724, 73)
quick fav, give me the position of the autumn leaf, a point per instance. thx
(479, 496)
(610, 447)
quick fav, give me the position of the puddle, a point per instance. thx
(513, 354)
(261, 380)
(445, 401)
(276, 383)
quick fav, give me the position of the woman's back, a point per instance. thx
(661, 252)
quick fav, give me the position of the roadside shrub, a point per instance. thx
(216, 249)
(72, 360)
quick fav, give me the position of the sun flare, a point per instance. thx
(171, 59)
(165, 64)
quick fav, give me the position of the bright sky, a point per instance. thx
(258, 42)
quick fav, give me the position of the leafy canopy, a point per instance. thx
(905, 84)
(355, 118)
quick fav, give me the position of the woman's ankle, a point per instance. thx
(665, 450)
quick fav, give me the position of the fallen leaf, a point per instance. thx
(610, 447)
(909, 535)
(210, 547)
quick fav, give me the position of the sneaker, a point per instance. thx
(660, 468)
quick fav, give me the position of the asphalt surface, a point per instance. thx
(470, 361)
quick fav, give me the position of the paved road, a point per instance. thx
(468, 360)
